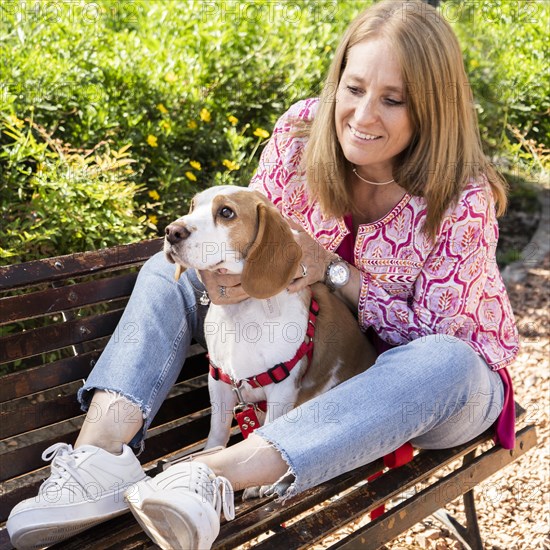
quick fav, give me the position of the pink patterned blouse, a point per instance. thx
(411, 287)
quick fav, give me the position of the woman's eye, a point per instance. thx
(353, 90)
(226, 212)
(391, 101)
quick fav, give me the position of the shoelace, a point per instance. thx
(222, 491)
(223, 496)
(63, 465)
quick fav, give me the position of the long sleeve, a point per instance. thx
(280, 160)
(457, 289)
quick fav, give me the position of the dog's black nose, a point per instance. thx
(176, 232)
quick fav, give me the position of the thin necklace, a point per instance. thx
(204, 298)
(371, 182)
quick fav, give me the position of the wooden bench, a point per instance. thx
(56, 316)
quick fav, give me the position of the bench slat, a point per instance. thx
(56, 414)
(28, 413)
(21, 455)
(53, 374)
(72, 265)
(54, 300)
(21, 415)
(57, 336)
(63, 371)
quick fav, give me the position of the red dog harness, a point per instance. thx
(245, 413)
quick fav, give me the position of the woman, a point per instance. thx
(385, 171)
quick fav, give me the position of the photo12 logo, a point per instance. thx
(70, 11)
(236, 11)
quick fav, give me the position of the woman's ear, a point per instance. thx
(274, 256)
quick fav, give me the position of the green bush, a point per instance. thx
(505, 44)
(192, 87)
(189, 90)
(64, 201)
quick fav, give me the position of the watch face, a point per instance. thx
(339, 274)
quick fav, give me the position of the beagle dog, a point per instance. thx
(240, 230)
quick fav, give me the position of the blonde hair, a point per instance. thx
(445, 151)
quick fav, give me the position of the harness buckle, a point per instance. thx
(271, 374)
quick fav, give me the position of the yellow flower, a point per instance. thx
(16, 121)
(165, 124)
(191, 176)
(162, 108)
(153, 219)
(205, 115)
(233, 119)
(192, 124)
(230, 165)
(154, 195)
(152, 141)
(327, 49)
(259, 132)
(170, 76)
(196, 165)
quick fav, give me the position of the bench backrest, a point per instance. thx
(56, 315)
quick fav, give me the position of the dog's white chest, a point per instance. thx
(249, 338)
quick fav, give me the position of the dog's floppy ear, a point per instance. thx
(273, 257)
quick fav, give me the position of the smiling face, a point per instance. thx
(371, 116)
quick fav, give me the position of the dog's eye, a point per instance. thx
(226, 212)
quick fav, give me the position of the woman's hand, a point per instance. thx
(313, 267)
(314, 262)
(223, 288)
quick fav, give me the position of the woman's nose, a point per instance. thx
(366, 111)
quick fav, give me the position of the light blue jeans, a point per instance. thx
(435, 392)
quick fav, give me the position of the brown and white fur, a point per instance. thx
(240, 230)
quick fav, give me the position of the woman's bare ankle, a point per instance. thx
(111, 422)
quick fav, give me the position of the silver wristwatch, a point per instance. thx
(337, 274)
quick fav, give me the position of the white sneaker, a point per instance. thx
(181, 507)
(85, 487)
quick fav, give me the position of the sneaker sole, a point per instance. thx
(40, 536)
(175, 521)
(37, 528)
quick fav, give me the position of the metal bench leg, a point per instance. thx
(472, 526)
(469, 536)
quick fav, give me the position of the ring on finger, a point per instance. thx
(222, 291)
(304, 270)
